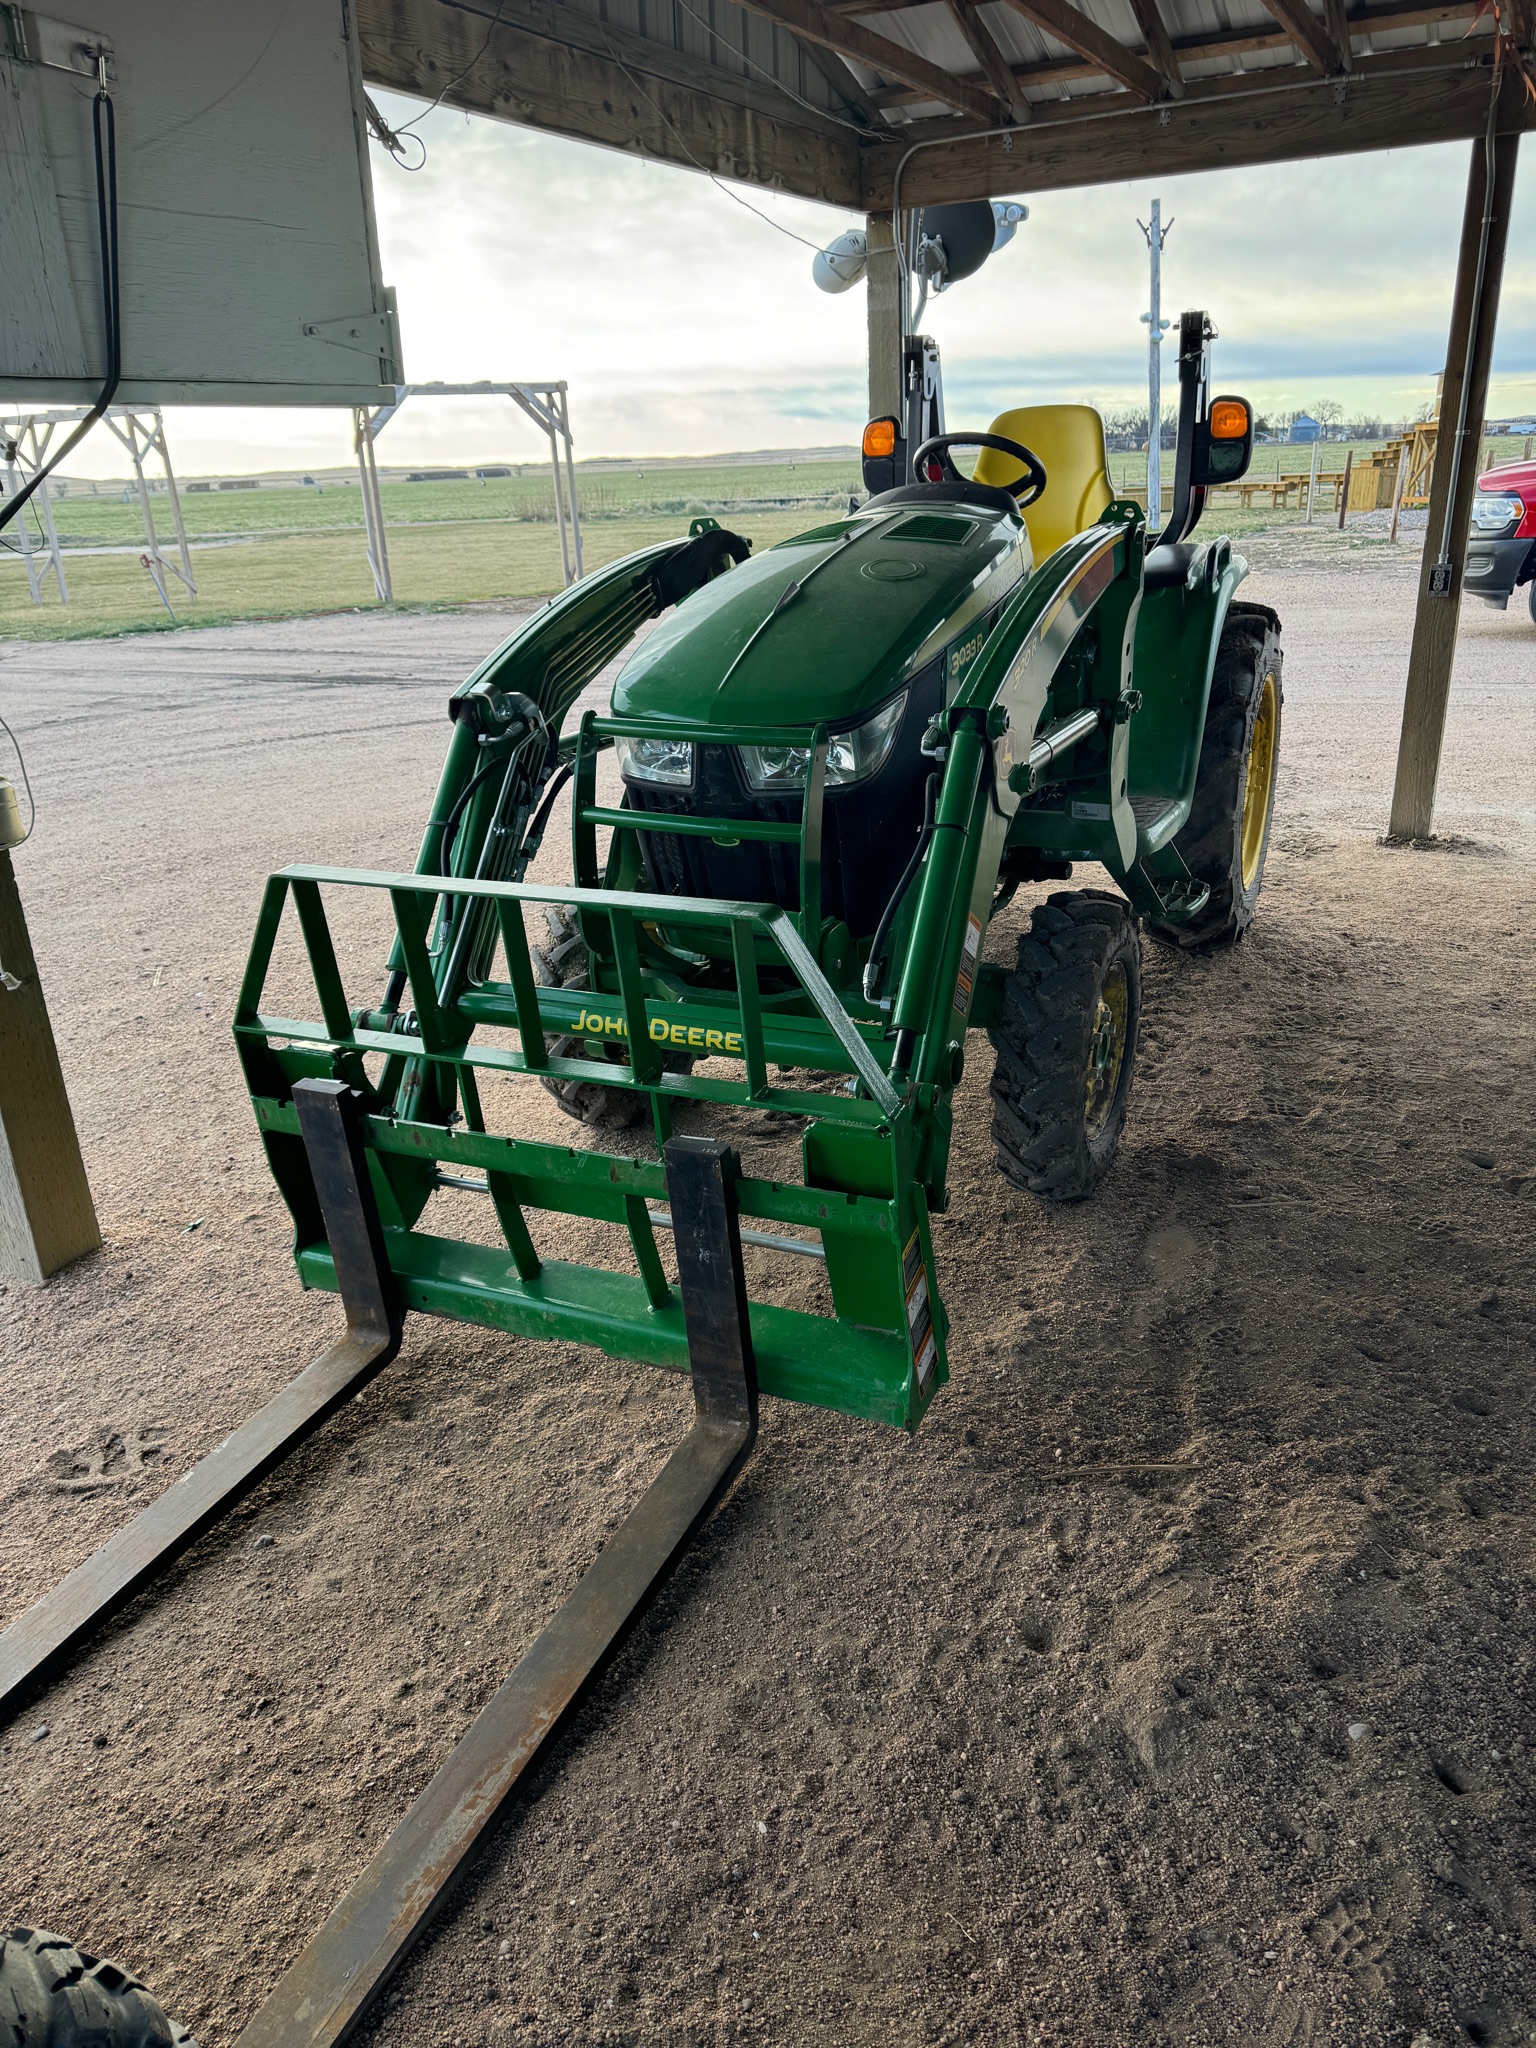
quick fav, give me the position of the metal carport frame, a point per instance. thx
(546, 405)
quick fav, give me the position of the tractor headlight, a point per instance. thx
(666, 761)
(851, 756)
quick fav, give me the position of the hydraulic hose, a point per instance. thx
(533, 838)
(888, 915)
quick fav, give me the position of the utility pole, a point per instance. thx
(1157, 327)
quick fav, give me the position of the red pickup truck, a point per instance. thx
(1501, 552)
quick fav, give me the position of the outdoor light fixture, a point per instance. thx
(952, 243)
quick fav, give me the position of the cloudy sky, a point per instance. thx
(687, 324)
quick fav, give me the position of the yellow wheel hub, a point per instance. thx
(1259, 787)
(1106, 1053)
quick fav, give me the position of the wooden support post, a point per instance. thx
(1349, 463)
(883, 283)
(1474, 315)
(46, 1215)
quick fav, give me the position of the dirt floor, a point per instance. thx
(1174, 1685)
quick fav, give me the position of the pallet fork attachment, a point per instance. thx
(324, 1994)
(96, 1590)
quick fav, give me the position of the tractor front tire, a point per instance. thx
(54, 1996)
(564, 963)
(1225, 839)
(1066, 1045)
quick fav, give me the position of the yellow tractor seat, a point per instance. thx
(1069, 440)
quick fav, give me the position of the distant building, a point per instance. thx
(1305, 428)
(496, 469)
(438, 476)
(238, 483)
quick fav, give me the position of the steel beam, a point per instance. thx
(323, 1997)
(330, 1120)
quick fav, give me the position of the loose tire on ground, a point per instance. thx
(564, 963)
(54, 1996)
(1067, 1045)
(1225, 839)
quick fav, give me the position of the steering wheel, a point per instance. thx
(931, 463)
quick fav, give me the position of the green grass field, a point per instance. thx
(275, 553)
(288, 577)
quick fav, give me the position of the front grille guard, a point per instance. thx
(880, 1353)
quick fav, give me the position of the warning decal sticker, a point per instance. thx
(914, 1280)
(968, 953)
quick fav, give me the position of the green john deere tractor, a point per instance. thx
(839, 759)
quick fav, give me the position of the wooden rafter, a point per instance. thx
(1337, 17)
(1308, 33)
(1068, 25)
(1159, 48)
(816, 24)
(984, 49)
(842, 80)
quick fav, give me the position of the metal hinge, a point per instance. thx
(368, 334)
(33, 38)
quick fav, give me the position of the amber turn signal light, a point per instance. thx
(1229, 420)
(880, 438)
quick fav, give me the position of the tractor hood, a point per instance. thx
(824, 627)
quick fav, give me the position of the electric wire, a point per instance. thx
(1011, 130)
(661, 114)
(821, 113)
(106, 221)
(393, 139)
(459, 76)
(13, 546)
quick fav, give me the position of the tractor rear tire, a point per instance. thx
(1225, 839)
(565, 963)
(1066, 1045)
(54, 1996)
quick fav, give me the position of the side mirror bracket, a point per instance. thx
(1215, 435)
